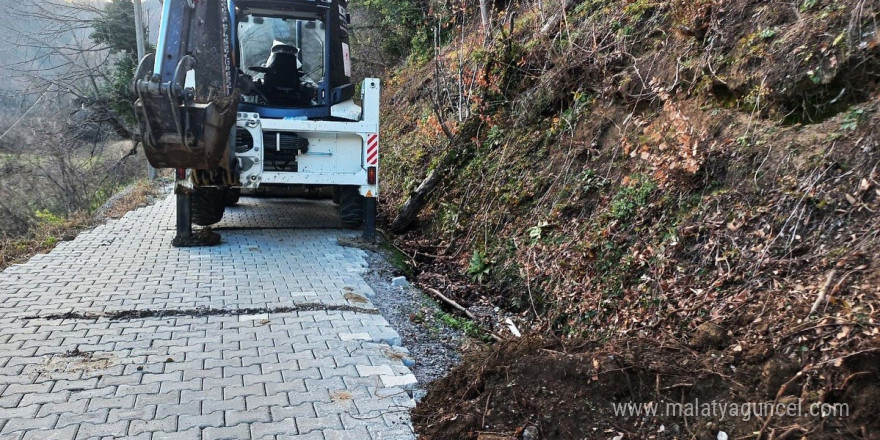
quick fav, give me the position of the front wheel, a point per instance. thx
(208, 205)
(351, 207)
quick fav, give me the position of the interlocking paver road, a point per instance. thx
(116, 334)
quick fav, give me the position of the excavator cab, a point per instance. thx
(294, 57)
(282, 61)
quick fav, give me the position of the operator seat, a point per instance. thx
(282, 82)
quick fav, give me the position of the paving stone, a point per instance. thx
(267, 401)
(298, 386)
(21, 412)
(168, 398)
(250, 390)
(34, 388)
(233, 418)
(88, 430)
(10, 400)
(77, 418)
(168, 424)
(47, 422)
(362, 336)
(236, 432)
(347, 434)
(407, 381)
(67, 433)
(75, 406)
(269, 430)
(201, 421)
(236, 376)
(303, 410)
(163, 410)
(189, 434)
(112, 402)
(369, 370)
(314, 435)
(308, 424)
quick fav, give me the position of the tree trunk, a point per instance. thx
(557, 17)
(456, 149)
(417, 200)
(484, 14)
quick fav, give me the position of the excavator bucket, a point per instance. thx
(203, 141)
(186, 100)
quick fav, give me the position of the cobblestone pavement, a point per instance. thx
(262, 213)
(270, 335)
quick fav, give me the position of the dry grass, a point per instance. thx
(137, 195)
(41, 239)
(51, 229)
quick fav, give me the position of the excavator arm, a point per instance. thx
(186, 98)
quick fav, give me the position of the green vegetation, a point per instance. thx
(632, 197)
(852, 119)
(638, 9)
(537, 232)
(806, 5)
(398, 259)
(478, 267)
(767, 34)
(115, 29)
(403, 28)
(470, 328)
(47, 218)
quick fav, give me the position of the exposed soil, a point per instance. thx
(568, 390)
(75, 361)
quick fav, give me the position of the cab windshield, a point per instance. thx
(258, 35)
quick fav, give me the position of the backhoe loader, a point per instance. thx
(248, 93)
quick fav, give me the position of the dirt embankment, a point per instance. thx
(642, 389)
(700, 174)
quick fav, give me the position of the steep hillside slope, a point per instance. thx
(699, 173)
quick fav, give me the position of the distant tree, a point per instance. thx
(387, 30)
(84, 52)
(115, 28)
(70, 62)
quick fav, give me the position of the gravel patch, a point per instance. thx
(433, 345)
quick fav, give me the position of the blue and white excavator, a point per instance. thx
(244, 93)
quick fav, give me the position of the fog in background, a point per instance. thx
(21, 39)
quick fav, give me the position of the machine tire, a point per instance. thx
(231, 196)
(337, 195)
(351, 207)
(208, 205)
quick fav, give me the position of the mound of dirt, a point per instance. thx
(701, 174)
(586, 390)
